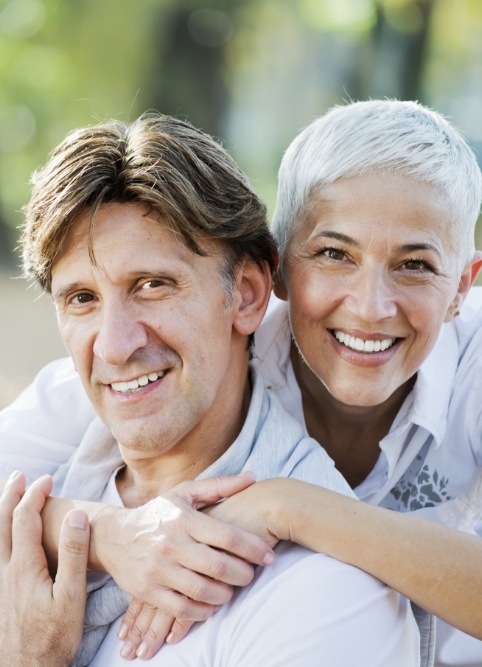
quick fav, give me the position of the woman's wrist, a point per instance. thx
(275, 501)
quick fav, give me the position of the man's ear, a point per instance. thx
(467, 279)
(253, 289)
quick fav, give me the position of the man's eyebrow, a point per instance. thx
(60, 294)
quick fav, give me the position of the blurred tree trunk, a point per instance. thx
(188, 78)
(6, 245)
(398, 45)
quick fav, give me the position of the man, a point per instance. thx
(158, 258)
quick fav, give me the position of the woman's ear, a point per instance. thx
(253, 289)
(467, 279)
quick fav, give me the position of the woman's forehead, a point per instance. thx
(388, 204)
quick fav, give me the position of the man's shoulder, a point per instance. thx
(328, 601)
(280, 448)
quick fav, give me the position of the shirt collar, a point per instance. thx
(428, 403)
(273, 345)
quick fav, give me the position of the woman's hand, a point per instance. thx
(253, 509)
(144, 630)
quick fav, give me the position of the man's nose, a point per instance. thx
(372, 295)
(119, 335)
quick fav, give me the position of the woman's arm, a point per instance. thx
(439, 568)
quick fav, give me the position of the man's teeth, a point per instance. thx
(132, 385)
(361, 345)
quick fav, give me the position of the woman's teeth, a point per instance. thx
(361, 345)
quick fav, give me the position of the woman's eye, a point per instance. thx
(333, 253)
(417, 265)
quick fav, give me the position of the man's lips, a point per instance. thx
(141, 381)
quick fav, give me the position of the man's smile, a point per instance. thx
(132, 385)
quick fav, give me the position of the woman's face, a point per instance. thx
(370, 276)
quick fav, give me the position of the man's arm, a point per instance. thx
(41, 621)
(166, 552)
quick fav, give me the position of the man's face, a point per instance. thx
(150, 329)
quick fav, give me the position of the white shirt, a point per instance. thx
(305, 610)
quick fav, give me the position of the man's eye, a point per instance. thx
(152, 284)
(157, 283)
(81, 299)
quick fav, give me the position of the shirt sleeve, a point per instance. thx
(40, 430)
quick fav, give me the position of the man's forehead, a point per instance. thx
(124, 241)
(128, 223)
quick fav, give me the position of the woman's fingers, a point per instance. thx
(145, 630)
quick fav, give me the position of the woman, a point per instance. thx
(374, 222)
(377, 204)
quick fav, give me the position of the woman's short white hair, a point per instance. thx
(380, 136)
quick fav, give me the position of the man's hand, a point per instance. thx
(173, 557)
(40, 621)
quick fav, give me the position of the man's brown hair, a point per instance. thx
(182, 176)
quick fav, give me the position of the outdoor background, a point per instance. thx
(251, 72)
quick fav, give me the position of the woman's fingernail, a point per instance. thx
(123, 631)
(170, 638)
(268, 559)
(127, 650)
(142, 650)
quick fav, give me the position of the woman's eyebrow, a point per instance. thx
(413, 247)
(343, 238)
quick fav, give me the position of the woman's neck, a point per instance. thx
(350, 433)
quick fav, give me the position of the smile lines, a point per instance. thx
(141, 381)
(360, 345)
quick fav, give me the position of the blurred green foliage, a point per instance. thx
(252, 72)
